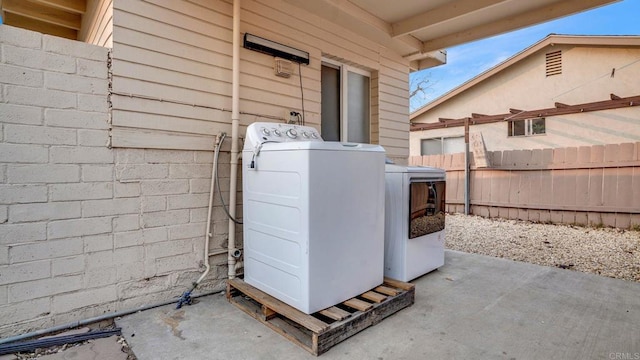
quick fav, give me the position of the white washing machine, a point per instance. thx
(414, 221)
(313, 214)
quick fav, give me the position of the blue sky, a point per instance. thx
(466, 61)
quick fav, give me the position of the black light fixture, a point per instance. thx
(256, 43)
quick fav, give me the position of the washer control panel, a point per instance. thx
(261, 132)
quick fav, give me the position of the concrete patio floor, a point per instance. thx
(474, 307)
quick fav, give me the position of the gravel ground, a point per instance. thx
(604, 251)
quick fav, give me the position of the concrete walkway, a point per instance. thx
(474, 307)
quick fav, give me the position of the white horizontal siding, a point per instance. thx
(180, 51)
(97, 23)
(394, 109)
(397, 125)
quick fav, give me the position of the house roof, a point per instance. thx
(550, 40)
(418, 30)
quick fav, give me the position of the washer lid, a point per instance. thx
(414, 169)
(320, 146)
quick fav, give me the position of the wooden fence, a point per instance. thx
(588, 185)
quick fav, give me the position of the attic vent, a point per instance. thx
(554, 63)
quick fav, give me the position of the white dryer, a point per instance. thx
(313, 214)
(414, 221)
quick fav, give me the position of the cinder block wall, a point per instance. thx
(85, 229)
(588, 185)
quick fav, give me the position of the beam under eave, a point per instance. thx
(440, 14)
(43, 13)
(39, 26)
(440, 54)
(411, 41)
(73, 6)
(341, 10)
(421, 61)
(359, 21)
(546, 13)
(549, 112)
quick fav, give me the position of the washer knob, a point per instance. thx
(292, 133)
(276, 132)
(314, 135)
(305, 134)
(266, 131)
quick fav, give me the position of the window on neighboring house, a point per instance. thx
(442, 145)
(527, 127)
(346, 103)
(554, 63)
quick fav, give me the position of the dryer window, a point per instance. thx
(426, 207)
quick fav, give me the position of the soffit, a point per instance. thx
(61, 18)
(418, 30)
(421, 29)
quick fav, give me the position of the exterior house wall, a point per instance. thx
(180, 52)
(581, 129)
(85, 229)
(97, 23)
(586, 77)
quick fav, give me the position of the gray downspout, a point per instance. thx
(466, 167)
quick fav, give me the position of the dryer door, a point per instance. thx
(426, 207)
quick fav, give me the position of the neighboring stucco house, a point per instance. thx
(563, 91)
(106, 146)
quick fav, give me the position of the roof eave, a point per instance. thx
(421, 61)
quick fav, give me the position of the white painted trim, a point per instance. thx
(358, 71)
(344, 100)
(331, 63)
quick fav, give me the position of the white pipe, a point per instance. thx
(218, 252)
(207, 236)
(235, 123)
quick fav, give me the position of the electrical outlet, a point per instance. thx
(292, 116)
(286, 115)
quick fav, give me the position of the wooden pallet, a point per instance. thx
(318, 332)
